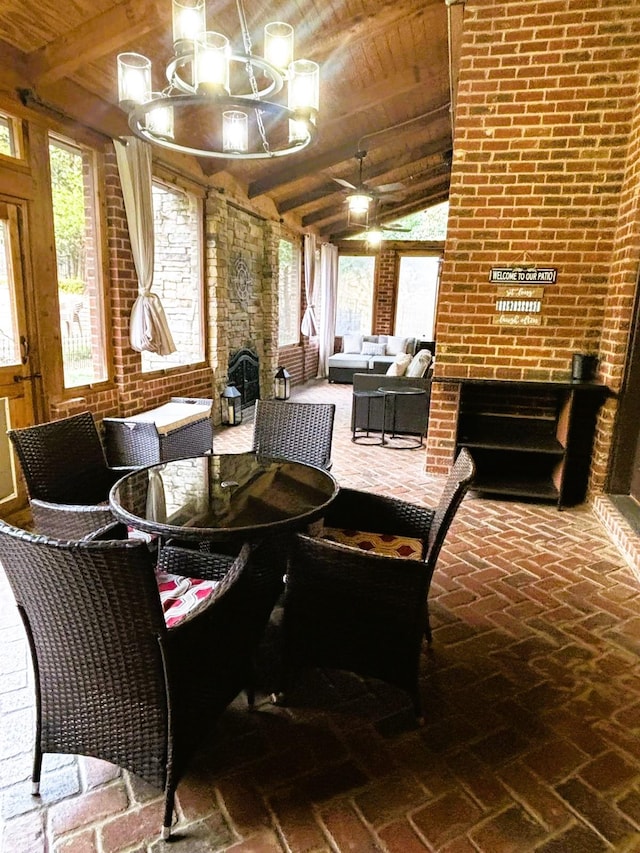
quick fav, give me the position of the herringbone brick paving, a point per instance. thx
(531, 693)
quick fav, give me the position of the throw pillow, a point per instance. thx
(369, 348)
(352, 343)
(396, 345)
(420, 364)
(400, 364)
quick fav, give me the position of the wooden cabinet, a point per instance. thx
(529, 439)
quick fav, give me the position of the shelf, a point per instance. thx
(520, 443)
(529, 487)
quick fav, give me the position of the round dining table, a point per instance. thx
(223, 497)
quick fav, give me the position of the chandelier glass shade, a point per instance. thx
(219, 103)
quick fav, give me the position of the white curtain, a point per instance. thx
(329, 290)
(309, 326)
(148, 327)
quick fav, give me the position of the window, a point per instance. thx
(354, 311)
(177, 277)
(8, 136)
(79, 263)
(288, 293)
(417, 296)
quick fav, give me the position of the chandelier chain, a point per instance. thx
(246, 41)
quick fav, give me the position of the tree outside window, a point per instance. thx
(78, 263)
(354, 312)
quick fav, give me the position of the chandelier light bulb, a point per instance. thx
(189, 22)
(278, 44)
(304, 86)
(212, 64)
(160, 119)
(235, 132)
(134, 79)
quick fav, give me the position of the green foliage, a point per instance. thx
(71, 285)
(68, 206)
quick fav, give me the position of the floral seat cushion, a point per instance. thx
(385, 544)
(182, 597)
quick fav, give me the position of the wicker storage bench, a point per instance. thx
(180, 428)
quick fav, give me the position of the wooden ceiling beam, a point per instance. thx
(94, 38)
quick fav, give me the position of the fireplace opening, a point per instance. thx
(244, 373)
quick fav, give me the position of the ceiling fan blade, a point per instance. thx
(396, 227)
(390, 188)
(345, 184)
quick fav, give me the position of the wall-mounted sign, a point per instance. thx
(530, 306)
(517, 320)
(531, 275)
(519, 292)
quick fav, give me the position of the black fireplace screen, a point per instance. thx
(244, 374)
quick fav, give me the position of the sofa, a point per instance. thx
(367, 354)
(411, 414)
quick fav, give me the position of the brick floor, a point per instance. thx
(531, 691)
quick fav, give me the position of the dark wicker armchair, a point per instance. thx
(362, 611)
(300, 432)
(112, 681)
(67, 476)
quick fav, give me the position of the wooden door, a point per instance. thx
(18, 376)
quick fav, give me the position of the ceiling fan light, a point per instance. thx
(359, 203)
(374, 236)
(211, 67)
(278, 44)
(235, 131)
(189, 21)
(134, 79)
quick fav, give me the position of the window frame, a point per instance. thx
(359, 253)
(102, 268)
(172, 186)
(426, 253)
(297, 255)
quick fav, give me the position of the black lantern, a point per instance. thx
(282, 384)
(231, 406)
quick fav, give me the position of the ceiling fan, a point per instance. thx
(360, 189)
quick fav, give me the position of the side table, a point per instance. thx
(393, 397)
(364, 437)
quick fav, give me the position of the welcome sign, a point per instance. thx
(531, 275)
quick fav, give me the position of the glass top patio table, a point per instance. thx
(222, 497)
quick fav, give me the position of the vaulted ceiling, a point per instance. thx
(388, 74)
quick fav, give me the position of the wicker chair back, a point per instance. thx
(63, 461)
(300, 432)
(111, 680)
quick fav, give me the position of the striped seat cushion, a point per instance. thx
(376, 543)
(182, 597)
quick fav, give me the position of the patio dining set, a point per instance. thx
(135, 574)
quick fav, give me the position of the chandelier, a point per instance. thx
(219, 103)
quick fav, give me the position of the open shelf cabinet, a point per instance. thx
(530, 440)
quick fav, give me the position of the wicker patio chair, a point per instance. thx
(301, 432)
(67, 476)
(112, 681)
(362, 611)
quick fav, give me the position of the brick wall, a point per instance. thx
(545, 115)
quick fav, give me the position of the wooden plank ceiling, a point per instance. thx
(387, 75)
